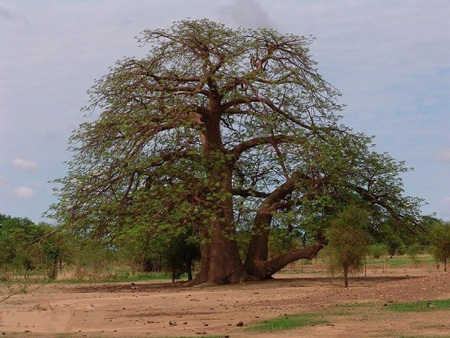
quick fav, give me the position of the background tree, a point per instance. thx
(348, 243)
(181, 252)
(440, 242)
(413, 250)
(229, 132)
(379, 251)
(25, 246)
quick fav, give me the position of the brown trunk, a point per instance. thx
(346, 277)
(189, 270)
(265, 269)
(258, 248)
(220, 261)
(205, 258)
(256, 263)
(225, 264)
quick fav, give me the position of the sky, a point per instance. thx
(389, 58)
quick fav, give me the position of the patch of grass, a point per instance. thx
(121, 278)
(422, 306)
(287, 322)
(398, 261)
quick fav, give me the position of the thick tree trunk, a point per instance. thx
(225, 264)
(220, 261)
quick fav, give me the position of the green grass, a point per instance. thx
(422, 306)
(287, 322)
(121, 278)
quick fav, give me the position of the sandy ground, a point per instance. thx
(172, 310)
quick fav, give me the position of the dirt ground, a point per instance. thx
(156, 309)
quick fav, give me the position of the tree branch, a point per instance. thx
(249, 193)
(274, 140)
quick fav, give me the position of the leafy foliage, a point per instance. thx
(226, 132)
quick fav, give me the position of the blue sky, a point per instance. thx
(390, 59)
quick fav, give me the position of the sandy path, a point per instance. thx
(166, 310)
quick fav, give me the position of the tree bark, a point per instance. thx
(346, 276)
(265, 269)
(257, 254)
(258, 248)
(220, 261)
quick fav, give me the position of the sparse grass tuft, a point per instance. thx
(422, 306)
(287, 322)
(119, 278)
(355, 305)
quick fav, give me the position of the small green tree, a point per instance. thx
(413, 251)
(347, 241)
(379, 251)
(440, 241)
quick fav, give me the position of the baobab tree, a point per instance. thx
(228, 131)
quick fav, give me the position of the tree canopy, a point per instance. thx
(228, 131)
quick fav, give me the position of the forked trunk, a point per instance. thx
(258, 248)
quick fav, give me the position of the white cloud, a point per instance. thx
(24, 164)
(443, 156)
(34, 184)
(23, 193)
(247, 13)
(446, 202)
(7, 15)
